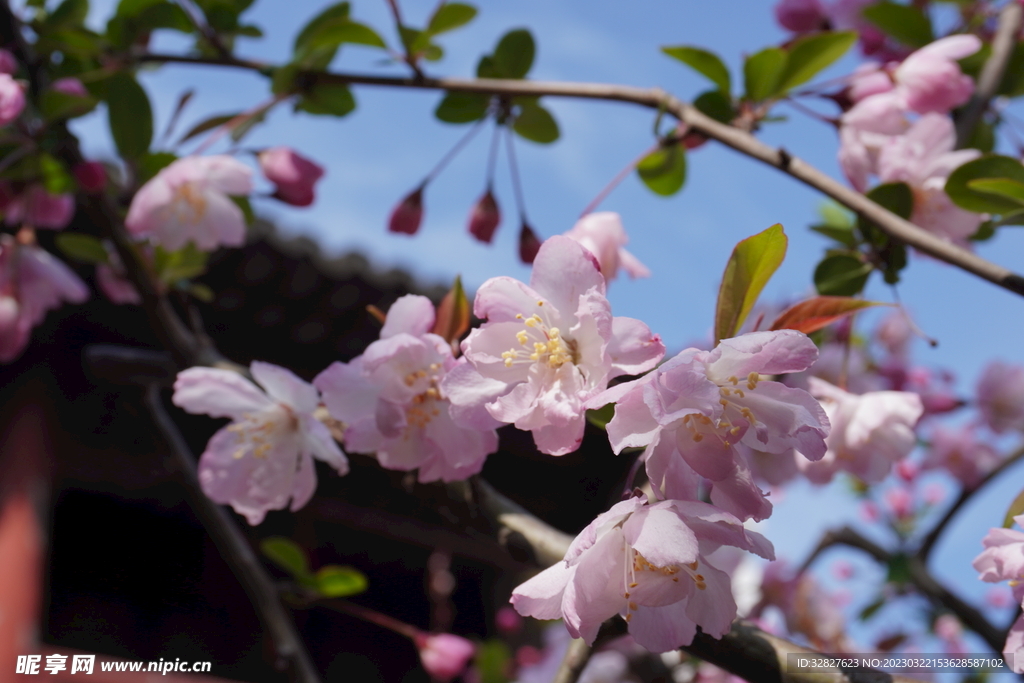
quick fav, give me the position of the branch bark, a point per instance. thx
(656, 98)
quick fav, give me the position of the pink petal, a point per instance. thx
(411, 314)
(657, 533)
(283, 386)
(218, 393)
(541, 596)
(633, 348)
(563, 271)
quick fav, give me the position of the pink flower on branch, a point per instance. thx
(189, 201)
(12, 99)
(392, 402)
(294, 175)
(546, 349)
(32, 282)
(647, 563)
(1001, 396)
(800, 16)
(930, 79)
(1003, 560)
(960, 453)
(36, 207)
(444, 655)
(604, 237)
(265, 456)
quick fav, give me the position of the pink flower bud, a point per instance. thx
(934, 494)
(842, 570)
(12, 99)
(444, 655)
(900, 502)
(529, 244)
(907, 470)
(869, 511)
(508, 620)
(407, 216)
(800, 16)
(484, 218)
(999, 597)
(8, 62)
(293, 174)
(91, 176)
(40, 209)
(70, 86)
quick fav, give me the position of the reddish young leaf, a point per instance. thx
(821, 311)
(452, 319)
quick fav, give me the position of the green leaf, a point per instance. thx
(338, 31)
(462, 107)
(287, 555)
(810, 55)
(761, 72)
(897, 198)
(844, 236)
(898, 569)
(536, 123)
(327, 99)
(841, 275)
(130, 116)
(1016, 508)
(986, 231)
(717, 105)
(245, 205)
(55, 105)
(514, 54)
(907, 24)
(131, 8)
(703, 62)
(450, 16)
(80, 247)
(201, 292)
(68, 13)
(983, 137)
(1013, 80)
(1003, 187)
(492, 660)
(751, 265)
(208, 124)
(990, 166)
(333, 581)
(183, 264)
(335, 12)
(601, 416)
(663, 171)
(56, 178)
(871, 609)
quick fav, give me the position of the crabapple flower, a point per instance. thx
(869, 433)
(35, 206)
(12, 99)
(293, 174)
(864, 130)
(265, 456)
(923, 158)
(70, 86)
(1003, 560)
(648, 563)
(604, 237)
(960, 453)
(484, 218)
(692, 411)
(189, 201)
(32, 282)
(930, 80)
(546, 348)
(407, 214)
(444, 655)
(391, 401)
(1001, 396)
(800, 16)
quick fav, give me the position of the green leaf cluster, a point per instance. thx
(330, 581)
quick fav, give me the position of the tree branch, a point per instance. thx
(655, 98)
(576, 657)
(235, 549)
(1010, 21)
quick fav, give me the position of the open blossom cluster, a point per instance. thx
(1003, 560)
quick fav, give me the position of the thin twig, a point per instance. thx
(576, 657)
(1010, 21)
(655, 98)
(235, 550)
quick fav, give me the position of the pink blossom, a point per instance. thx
(189, 201)
(8, 62)
(900, 502)
(870, 432)
(508, 621)
(934, 494)
(649, 564)
(692, 410)
(800, 16)
(923, 158)
(12, 99)
(959, 452)
(1013, 651)
(808, 608)
(32, 282)
(265, 456)
(603, 235)
(1003, 557)
(930, 79)
(70, 86)
(391, 401)
(895, 333)
(444, 655)
(842, 570)
(294, 175)
(999, 597)
(407, 214)
(907, 470)
(1001, 396)
(869, 511)
(864, 131)
(546, 349)
(40, 209)
(868, 79)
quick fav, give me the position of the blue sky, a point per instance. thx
(380, 152)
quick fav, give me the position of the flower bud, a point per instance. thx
(407, 216)
(444, 655)
(91, 176)
(508, 621)
(8, 62)
(293, 174)
(800, 16)
(484, 218)
(529, 244)
(12, 99)
(70, 86)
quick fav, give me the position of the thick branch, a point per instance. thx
(655, 98)
(1010, 21)
(290, 650)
